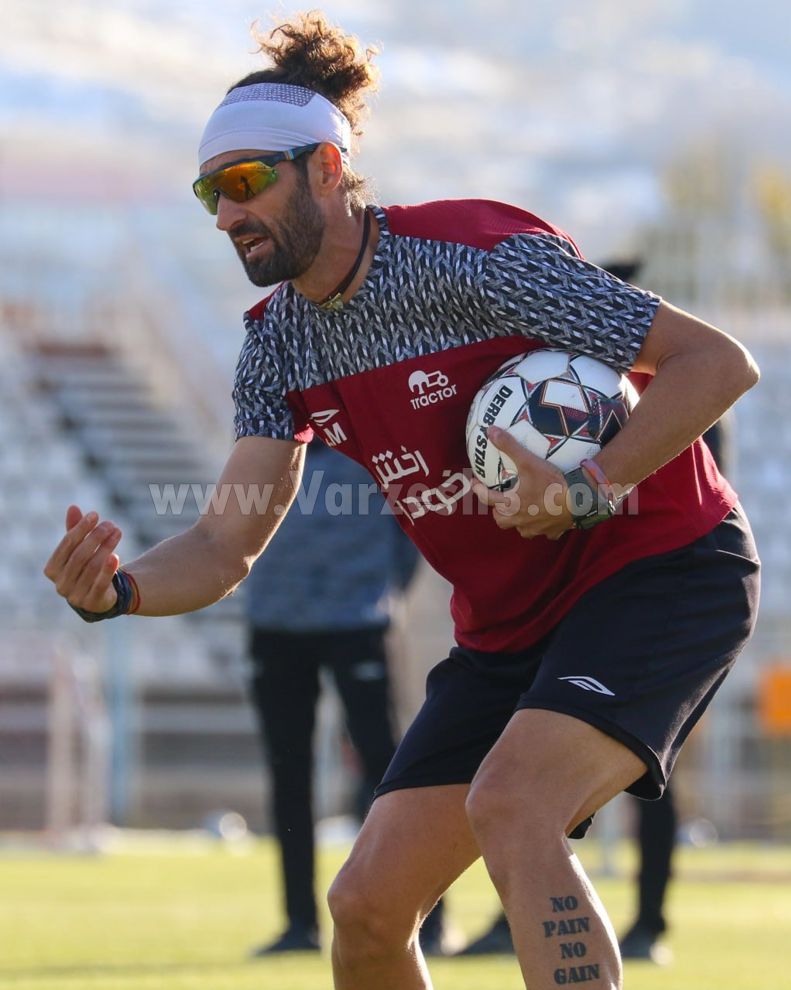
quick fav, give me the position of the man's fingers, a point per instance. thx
(80, 589)
(84, 546)
(70, 542)
(74, 536)
(525, 506)
(102, 595)
(491, 497)
(73, 516)
(506, 443)
(484, 494)
(67, 577)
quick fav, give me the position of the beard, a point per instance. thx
(295, 240)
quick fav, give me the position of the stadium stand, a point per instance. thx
(80, 425)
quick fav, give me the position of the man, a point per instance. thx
(589, 641)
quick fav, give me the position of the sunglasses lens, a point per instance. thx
(238, 182)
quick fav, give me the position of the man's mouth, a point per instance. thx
(250, 244)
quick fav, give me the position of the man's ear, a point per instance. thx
(326, 168)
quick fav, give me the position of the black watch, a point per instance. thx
(588, 503)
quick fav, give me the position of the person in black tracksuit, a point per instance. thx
(321, 599)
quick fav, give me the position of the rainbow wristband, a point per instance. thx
(127, 602)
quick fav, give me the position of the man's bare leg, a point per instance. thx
(412, 846)
(546, 774)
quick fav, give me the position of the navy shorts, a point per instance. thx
(639, 656)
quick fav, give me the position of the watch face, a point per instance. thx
(583, 499)
(589, 504)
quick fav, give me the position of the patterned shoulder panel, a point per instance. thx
(425, 294)
(539, 284)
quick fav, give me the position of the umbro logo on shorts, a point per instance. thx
(588, 684)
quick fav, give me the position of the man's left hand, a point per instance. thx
(536, 505)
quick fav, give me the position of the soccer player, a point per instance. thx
(589, 641)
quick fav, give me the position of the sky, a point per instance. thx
(496, 98)
(572, 111)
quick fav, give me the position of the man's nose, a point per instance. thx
(228, 213)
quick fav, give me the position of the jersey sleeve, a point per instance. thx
(261, 407)
(538, 286)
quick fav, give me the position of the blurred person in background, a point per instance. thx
(322, 599)
(657, 821)
(385, 325)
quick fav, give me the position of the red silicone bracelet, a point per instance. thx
(596, 473)
(137, 602)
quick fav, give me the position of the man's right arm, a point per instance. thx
(199, 566)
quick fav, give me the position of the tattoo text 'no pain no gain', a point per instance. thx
(575, 949)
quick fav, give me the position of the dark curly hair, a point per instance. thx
(308, 51)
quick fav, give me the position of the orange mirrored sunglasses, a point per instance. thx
(245, 178)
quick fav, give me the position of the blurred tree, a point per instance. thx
(703, 180)
(772, 186)
(724, 237)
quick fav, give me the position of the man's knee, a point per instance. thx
(486, 805)
(346, 901)
(499, 808)
(365, 923)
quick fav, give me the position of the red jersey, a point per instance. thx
(454, 289)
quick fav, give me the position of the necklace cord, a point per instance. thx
(333, 300)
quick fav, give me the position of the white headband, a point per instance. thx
(273, 117)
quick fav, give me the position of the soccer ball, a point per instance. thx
(563, 407)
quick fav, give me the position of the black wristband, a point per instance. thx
(123, 602)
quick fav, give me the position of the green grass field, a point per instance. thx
(184, 914)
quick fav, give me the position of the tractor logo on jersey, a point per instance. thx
(431, 387)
